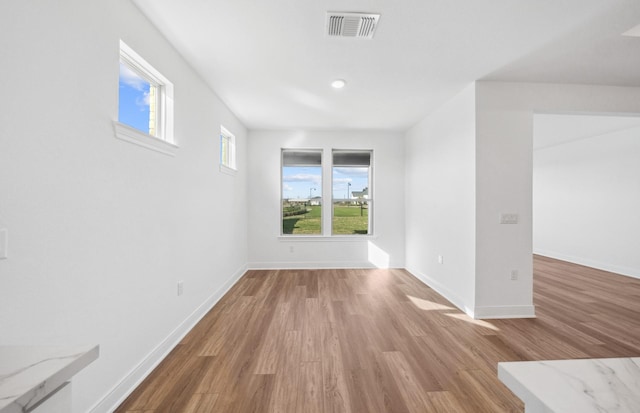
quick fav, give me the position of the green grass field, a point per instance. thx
(308, 223)
(346, 220)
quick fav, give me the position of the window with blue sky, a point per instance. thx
(303, 201)
(352, 201)
(145, 104)
(301, 192)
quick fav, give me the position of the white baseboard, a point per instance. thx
(520, 311)
(506, 311)
(618, 269)
(307, 265)
(443, 291)
(136, 375)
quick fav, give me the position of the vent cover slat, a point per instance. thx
(335, 25)
(356, 25)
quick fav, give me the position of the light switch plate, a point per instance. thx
(4, 243)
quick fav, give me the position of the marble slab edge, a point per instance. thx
(605, 385)
(43, 371)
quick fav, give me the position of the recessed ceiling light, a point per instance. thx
(338, 83)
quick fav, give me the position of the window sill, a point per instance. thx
(132, 135)
(324, 238)
(227, 170)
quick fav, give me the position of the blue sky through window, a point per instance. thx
(133, 101)
(358, 177)
(299, 181)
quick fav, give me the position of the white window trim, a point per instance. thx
(232, 168)
(327, 169)
(328, 238)
(369, 200)
(229, 171)
(322, 225)
(133, 135)
(164, 142)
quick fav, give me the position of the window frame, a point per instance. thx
(327, 200)
(163, 139)
(321, 166)
(229, 165)
(369, 188)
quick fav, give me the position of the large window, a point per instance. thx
(301, 192)
(351, 192)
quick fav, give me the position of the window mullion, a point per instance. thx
(327, 195)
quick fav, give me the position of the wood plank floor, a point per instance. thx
(380, 341)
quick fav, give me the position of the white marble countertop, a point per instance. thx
(585, 385)
(28, 374)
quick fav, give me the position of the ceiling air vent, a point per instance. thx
(359, 25)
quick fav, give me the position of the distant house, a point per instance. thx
(298, 200)
(360, 194)
(315, 201)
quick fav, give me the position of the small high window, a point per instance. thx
(145, 102)
(227, 149)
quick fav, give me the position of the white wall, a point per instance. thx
(586, 198)
(268, 250)
(440, 199)
(470, 161)
(101, 230)
(504, 121)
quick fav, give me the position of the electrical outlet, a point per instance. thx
(180, 287)
(440, 259)
(291, 248)
(508, 218)
(514, 275)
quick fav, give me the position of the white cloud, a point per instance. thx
(351, 171)
(287, 187)
(131, 78)
(143, 102)
(314, 179)
(342, 181)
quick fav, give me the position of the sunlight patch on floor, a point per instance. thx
(428, 305)
(480, 323)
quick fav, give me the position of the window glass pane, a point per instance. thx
(351, 200)
(137, 101)
(350, 182)
(301, 199)
(224, 150)
(351, 217)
